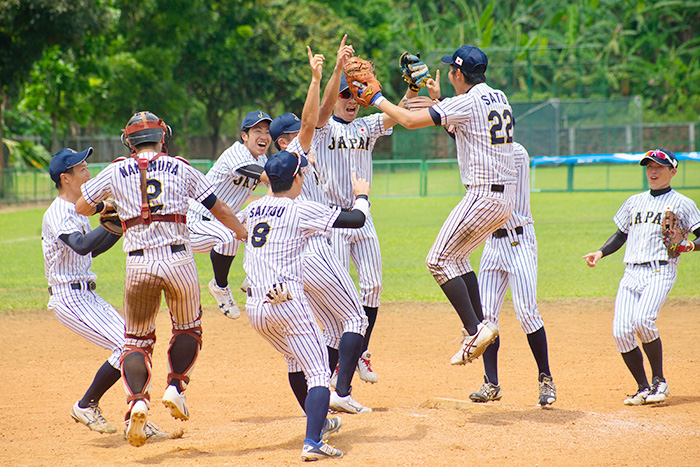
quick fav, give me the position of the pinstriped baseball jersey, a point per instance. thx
(171, 183)
(62, 265)
(512, 260)
(483, 121)
(342, 149)
(230, 186)
(313, 188)
(640, 218)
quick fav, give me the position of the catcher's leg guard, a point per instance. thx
(136, 368)
(182, 355)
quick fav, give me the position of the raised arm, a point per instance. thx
(330, 93)
(309, 115)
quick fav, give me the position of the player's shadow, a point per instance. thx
(676, 400)
(548, 416)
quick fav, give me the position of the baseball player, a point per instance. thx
(234, 175)
(649, 271)
(483, 126)
(152, 190)
(330, 291)
(509, 258)
(277, 308)
(343, 146)
(69, 244)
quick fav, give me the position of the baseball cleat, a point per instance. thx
(152, 431)
(177, 403)
(364, 368)
(474, 346)
(135, 431)
(487, 392)
(334, 377)
(330, 426)
(224, 298)
(548, 393)
(91, 417)
(640, 398)
(659, 390)
(314, 451)
(346, 404)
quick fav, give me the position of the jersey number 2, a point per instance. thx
(499, 134)
(260, 233)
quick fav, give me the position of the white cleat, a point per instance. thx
(346, 404)
(224, 299)
(91, 417)
(474, 346)
(135, 430)
(177, 403)
(364, 368)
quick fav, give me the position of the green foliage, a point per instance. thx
(26, 154)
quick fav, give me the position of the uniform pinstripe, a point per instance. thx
(482, 119)
(81, 310)
(512, 260)
(278, 231)
(159, 269)
(230, 187)
(644, 288)
(342, 149)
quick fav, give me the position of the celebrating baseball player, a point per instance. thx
(328, 286)
(510, 259)
(279, 228)
(654, 224)
(69, 244)
(343, 147)
(483, 125)
(152, 190)
(234, 176)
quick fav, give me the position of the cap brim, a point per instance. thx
(667, 162)
(447, 59)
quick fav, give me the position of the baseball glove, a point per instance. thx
(109, 219)
(414, 71)
(362, 82)
(674, 236)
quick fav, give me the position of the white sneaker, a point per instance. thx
(314, 451)
(177, 403)
(224, 299)
(474, 346)
(135, 432)
(91, 417)
(640, 398)
(334, 377)
(659, 390)
(346, 404)
(152, 431)
(364, 368)
(330, 426)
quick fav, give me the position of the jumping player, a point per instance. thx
(234, 175)
(649, 272)
(483, 125)
(279, 228)
(343, 146)
(152, 190)
(510, 259)
(328, 286)
(69, 244)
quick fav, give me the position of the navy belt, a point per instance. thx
(90, 285)
(494, 188)
(652, 263)
(173, 248)
(500, 233)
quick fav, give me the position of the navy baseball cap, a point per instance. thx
(468, 58)
(64, 160)
(660, 156)
(343, 83)
(285, 123)
(253, 118)
(284, 165)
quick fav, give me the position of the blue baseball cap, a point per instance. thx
(253, 118)
(343, 83)
(660, 156)
(284, 165)
(64, 160)
(468, 58)
(285, 123)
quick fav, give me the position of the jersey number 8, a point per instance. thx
(260, 233)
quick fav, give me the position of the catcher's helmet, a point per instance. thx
(145, 127)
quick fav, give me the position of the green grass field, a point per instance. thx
(568, 226)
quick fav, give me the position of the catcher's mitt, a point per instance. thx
(109, 219)
(362, 82)
(674, 235)
(414, 71)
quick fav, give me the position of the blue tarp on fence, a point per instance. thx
(619, 158)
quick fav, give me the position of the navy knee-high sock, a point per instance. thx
(105, 378)
(333, 357)
(635, 363)
(349, 353)
(457, 293)
(474, 296)
(316, 409)
(490, 357)
(371, 313)
(538, 345)
(297, 381)
(655, 355)
(221, 265)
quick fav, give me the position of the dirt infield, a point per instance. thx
(243, 412)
